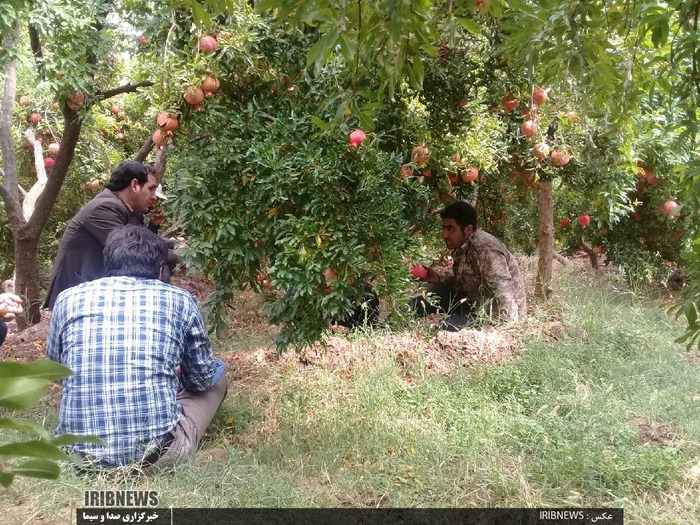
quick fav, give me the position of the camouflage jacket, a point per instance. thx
(485, 270)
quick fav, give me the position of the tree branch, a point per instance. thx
(147, 147)
(126, 88)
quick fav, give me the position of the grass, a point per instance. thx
(603, 414)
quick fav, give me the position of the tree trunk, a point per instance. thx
(545, 203)
(27, 278)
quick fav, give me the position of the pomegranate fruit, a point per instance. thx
(584, 220)
(207, 43)
(419, 271)
(49, 162)
(560, 159)
(669, 207)
(405, 172)
(420, 155)
(76, 100)
(462, 102)
(24, 100)
(509, 102)
(194, 96)
(35, 118)
(160, 139)
(357, 137)
(652, 180)
(94, 184)
(116, 110)
(167, 121)
(210, 85)
(565, 222)
(470, 174)
(540, 96)
(541, 150)
(53, 149)
(528, 128)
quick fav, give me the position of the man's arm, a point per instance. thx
(199, 369)
(53, 339)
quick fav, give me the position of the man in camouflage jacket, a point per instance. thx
(484, 273)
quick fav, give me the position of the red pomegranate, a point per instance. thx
(419, 271)
(49, 162)
(36, 117)
(207, 43)
(584, 220)
(541, 150)
(405, 172)
(357, 137)
(210, 85)
(24, 100)
(53, 149)
(167, 122)
(669, 207)
(509, 102)
(420, 155)
(470, 174)
(76, 100)
(160, 138)
(560, 159)
(194, 96)
(528, 128)
(116, 110)
(565, 222)
(540, 96)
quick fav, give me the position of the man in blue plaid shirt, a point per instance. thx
(123, 337)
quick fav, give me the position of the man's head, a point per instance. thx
(134, 251)
(136, 183)
(458, 223)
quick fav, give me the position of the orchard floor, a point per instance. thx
(581, 405)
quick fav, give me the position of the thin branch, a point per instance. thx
(126, 88)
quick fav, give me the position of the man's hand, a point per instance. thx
(424, 273)
(10, 306)
(157, 216)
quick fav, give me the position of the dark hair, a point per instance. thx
(127, 171)
(462, 212)
(134, 251)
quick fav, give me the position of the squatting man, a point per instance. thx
(483, 276)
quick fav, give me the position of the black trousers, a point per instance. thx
(3, 331)
(450, 301)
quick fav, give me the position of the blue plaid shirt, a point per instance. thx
(122, 337)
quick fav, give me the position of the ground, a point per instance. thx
(490, 345)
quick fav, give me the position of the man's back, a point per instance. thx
(79, 257)
(123, 337)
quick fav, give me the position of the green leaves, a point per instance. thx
(21, 386)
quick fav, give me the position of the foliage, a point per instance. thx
(21, 387)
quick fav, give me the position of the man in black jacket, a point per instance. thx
(130, 191)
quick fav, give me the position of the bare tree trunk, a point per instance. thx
(545, 203)
(592, 255)
(27, 278)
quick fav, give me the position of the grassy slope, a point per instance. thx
(603, 415)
